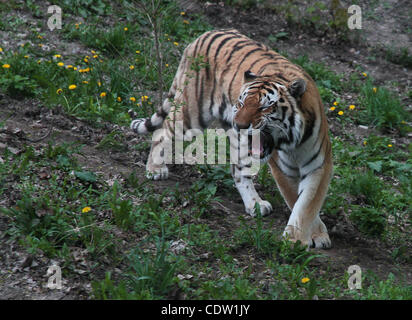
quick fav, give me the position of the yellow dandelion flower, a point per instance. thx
(26, 56)
(131, 67)
(335, 103)
(103, 94)
(60, 90)
(351, 107)
(95, 56)
(167, 65)
(389, 146)
(125, 29)
(176, 43)
(133, 99)
(60, 64)
(1, 49)
(86, 209)
(99, 84)
(75, 68)
(57, 55)
(340, 113)
(375, 90)
(182, 13)
(86, 60)
(69, 66)
(365, 143)
(119, 99)
(185, 22)
(94, 52)
(85, 82)
(332, 108)
(305, 280)
(137, 51)
(365, 74)
(72, 87)
(6, 66)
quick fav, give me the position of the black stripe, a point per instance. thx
(200, 107)
(255, 62)
(310, 123)
(238, 66)
(206, 36)
(149, 126)
(197, 72)
(238, 46)
(249, 43)
(316, 154)
(305, 175)
(221, 44)
(277, 166)
(264, 66)
(161, 113)
(280, 76)
(222, 107)
(284, 109)
(214, 38)
(186, 117)
(287, 165)
(292, 120)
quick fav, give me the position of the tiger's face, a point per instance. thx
(271, 108)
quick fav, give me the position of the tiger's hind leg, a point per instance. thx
(156, 166)
(161, 151)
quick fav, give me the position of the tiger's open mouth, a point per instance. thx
(264, 147)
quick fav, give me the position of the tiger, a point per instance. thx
(245, 85)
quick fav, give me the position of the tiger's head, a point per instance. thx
(270, 106)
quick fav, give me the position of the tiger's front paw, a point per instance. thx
(265, 208)
(292, 233)
(157, 173)
(321, 240)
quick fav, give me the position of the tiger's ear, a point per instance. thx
(297, 88)
(249, 76)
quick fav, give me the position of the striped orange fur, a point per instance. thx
(226, 76)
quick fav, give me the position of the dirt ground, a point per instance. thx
(23, 276)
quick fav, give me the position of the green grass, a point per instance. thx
(382, 108)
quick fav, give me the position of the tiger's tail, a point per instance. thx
(147, 125)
